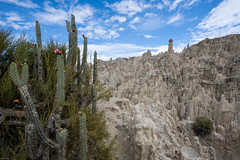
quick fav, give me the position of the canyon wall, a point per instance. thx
(156, 98)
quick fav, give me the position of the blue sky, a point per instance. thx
(125, 28)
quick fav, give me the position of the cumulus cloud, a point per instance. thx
(120, 19)
(81, 12)
(222, 20)
(135, 20)
(127, 7)
(22, 3)
(52, 15)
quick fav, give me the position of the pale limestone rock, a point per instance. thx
(156, 98)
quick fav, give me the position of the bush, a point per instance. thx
(202, 126)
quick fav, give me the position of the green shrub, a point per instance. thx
(202, 126)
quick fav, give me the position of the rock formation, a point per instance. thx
(156, 98)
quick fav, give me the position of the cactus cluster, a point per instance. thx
(35, 130)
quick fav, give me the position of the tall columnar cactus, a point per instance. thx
(94, 96)
(39, 53)
(95, 68)
(60, 75)
(84, 59)
(73, 42)
(78, 59)
(94, 100)
(35, 65)
(83, 137)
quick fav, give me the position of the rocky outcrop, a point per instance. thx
(156, 98)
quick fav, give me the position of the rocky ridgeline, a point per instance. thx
(156, 98)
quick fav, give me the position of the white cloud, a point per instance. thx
(174, 5)
(100, 32)
(120, 19)
(121, 29)
(159, 6)
(128, 7)
(81, 12)
(135, 20)
(148, 36)
(189, 3)
(115, 50)
(150, 15)
(52, 15)
(22, 3)
(222, 20)
(166, 2)
(3, 23)
(12, 16)
(175, 18)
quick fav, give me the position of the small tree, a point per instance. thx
(202, 126)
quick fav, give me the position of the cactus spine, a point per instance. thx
(39, 53)
(83, 137)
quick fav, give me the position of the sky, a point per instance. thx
(124, 28)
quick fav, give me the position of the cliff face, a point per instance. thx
(156, 98)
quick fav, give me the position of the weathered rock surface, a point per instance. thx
(156, 98)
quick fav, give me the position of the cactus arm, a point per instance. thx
(15, 75)
(83, 136)
(68, 26)
(25, 74)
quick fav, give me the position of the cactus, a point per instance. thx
(73, 42)
(78, 59)
(35, 66)
(95, 68)
(84, 59)
(61, 137)
(39, 53)
(35, 131)
(94, 105)
(38, 34)
(31, 109)
(83, 137)
(94, 97)
(60, 84)
(15, 75)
